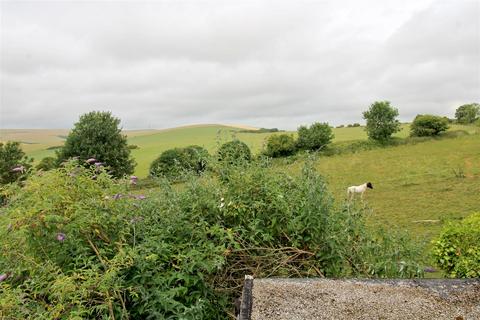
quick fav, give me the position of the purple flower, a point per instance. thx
(429, 269)
(117, 196)
(133, 179)
(140, 197)
(18, 169)
(98, 164)
(91, 160)
(3, 276)
(61, 237)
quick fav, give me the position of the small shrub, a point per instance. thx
(315, 137)
(428, 125)
(132, 146)
(175, 163)
(280, 146)
(234, 152)
(47, 163)
(457, 250)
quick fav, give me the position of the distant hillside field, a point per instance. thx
(151, 143)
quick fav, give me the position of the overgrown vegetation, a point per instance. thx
(457, 250)
(88, 248)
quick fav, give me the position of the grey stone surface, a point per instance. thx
(308, 299)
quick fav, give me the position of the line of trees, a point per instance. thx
(96, 139)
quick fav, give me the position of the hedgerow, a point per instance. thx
(79, 244)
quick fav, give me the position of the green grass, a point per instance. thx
(411, 182)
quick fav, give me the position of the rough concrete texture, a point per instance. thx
(308, 299)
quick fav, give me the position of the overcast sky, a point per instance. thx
(161, 64)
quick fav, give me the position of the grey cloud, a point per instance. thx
(262, 63)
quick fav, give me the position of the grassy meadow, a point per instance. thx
(416, 187)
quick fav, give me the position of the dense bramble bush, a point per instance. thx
(457, 250)
(425, 125)
(78, 244)
(175, 163)
(280, 145)
(234, 152)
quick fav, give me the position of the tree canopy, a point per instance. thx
(381, 121)
(97, 136)
(467, 113)
(315, 137)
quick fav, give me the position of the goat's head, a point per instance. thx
(369, 185)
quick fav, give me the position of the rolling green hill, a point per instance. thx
(38, 143)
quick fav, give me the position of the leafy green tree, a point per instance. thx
(428, 125)
(97, 136)
(47, 163)
(280, 145)
(14, 164)
(467, 113)
(234, 152)
(381, 121)
(315, 137)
